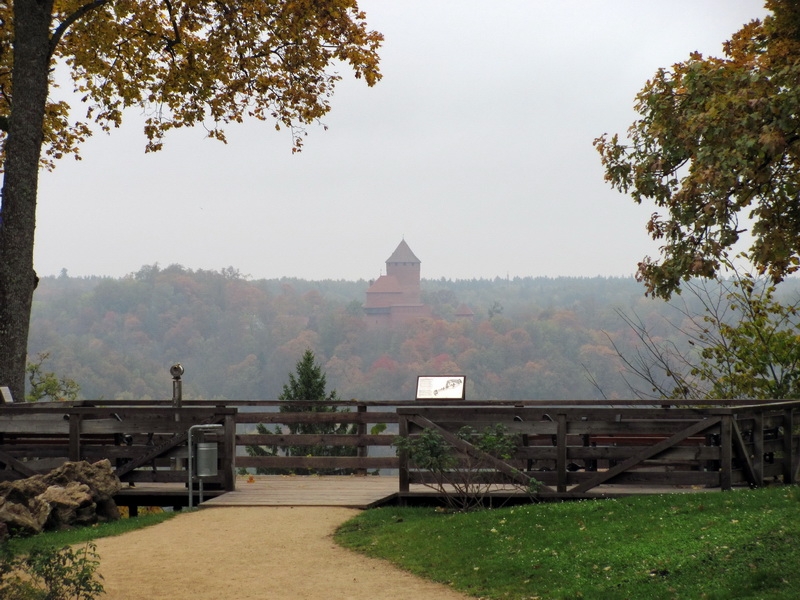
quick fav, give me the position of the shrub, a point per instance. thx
(465, 480)
(49, 573)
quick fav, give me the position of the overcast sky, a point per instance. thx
(476, 147)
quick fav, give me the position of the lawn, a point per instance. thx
(741, 544)
(81, 535)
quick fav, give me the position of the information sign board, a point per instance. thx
(441, 388)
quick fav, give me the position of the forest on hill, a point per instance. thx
(531, 338)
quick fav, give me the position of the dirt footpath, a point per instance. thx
(251, 553)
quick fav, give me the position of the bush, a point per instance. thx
(465, 481)
(49, 573)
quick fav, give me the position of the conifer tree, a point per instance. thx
(308, 384)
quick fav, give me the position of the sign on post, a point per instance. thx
(441, 388)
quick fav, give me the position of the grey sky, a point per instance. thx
(476, 147)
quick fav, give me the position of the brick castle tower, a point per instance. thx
(395, 297)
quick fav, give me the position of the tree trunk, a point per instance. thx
(20, 182)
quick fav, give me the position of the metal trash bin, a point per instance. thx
(207, 454)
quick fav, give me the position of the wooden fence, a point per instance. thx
(571, 447)
(144, 442)
(369, 451)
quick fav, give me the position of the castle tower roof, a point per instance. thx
(402, 254)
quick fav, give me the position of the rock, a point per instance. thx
(22, 489)
(65, 503)
(107, 510)
(98, 476)
(75, 494)
(25, 519)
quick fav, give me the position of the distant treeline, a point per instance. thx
(531, 338)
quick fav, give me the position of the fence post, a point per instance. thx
(403, 455)
(229, 454)
(788, 449)
(758, 447)
(726, 452)
(74, 437)
(361, 430)
(561, 453)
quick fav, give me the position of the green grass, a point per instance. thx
(742, 544)
(82, 535)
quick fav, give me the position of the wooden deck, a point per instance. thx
(276, 490)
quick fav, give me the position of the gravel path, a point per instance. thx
(258, 553)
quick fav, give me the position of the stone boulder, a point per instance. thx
(24, 518)
(66, 503)
(75, 494)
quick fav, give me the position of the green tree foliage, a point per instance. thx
(307, 387)
(46, 385)
(181, 63)
(717, 149)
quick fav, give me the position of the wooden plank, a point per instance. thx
(661, 479)
(589, 411)
(788, 453)
(316, 417)
(362, 449)
(664, 427)
(162, 476)
(647, 453)
(726, 452)
(679, 453)
(758, 449)
(228, 457)
(744, 454)
(16, 465)
(272, 490)
(74, 437)
(163, 423)
(561, 453)
(402, 456)
(318, 462)
(54, 426)
(320, 439)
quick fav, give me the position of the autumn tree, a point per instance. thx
(717, 149)
(182, 62)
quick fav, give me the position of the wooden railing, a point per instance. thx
(144, 442)
(572, 448)
(370, 452)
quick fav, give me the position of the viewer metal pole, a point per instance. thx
(176, 371)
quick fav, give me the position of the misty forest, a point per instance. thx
(237, 338)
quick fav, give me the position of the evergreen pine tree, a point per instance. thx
(308, 384)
